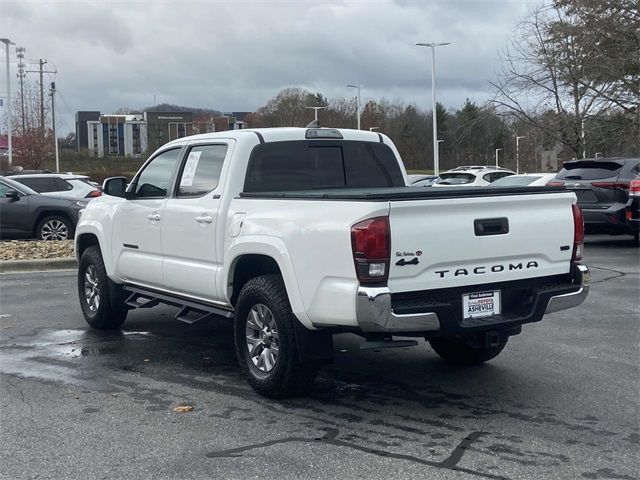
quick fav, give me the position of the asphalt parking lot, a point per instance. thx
(562, 401)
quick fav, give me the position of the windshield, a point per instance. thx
(455, 178)
(515, 181)
(19, 187)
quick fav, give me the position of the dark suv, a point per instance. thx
(602, 188)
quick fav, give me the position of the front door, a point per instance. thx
(14, 213)
(190, 222)
(138, 221)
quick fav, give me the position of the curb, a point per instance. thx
(39, 265)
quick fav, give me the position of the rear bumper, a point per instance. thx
(609, 220)
(440, 312)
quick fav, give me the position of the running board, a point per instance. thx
(374, 344)
(191, 311)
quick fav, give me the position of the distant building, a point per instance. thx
(82, 136)
(133, 135)
(162, 127)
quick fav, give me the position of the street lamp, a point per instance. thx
(497, 150)
(436, 159)
(518, 153)
(315, 111)
(358, 104)
(8, 42)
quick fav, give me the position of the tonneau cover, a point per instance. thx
(403, 193)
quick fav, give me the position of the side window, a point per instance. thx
(154, 180)
(201, 170)
(4, 189)
(39, 184)
(489, 177)
(62, 185)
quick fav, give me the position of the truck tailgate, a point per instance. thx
(453, 242)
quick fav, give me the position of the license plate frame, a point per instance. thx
(481, 304)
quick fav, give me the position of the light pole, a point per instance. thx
(497, 150)
(518, 152)
(439, 142)
(8, 42)
(315, 111)
(358, 104)
(53, 123)
(436, 158)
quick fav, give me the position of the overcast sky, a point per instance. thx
(235, 55)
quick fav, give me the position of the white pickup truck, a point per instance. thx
(300, 233)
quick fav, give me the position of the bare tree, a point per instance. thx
(543, 80)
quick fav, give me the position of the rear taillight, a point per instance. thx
(371, 244)
(93, 194)
(634, 188)
(611, 185)
(555, 184)
(578, 233)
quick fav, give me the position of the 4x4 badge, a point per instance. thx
(402, 262)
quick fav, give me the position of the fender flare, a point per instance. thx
(274, 248)
(94, 227)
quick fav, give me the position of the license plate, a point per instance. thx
(481, 304)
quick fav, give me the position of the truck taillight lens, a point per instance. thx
(371, 244)
(634, 188)
(578, 233)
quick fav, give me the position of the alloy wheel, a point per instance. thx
(55, 230)
(92, 288)
(262, 338)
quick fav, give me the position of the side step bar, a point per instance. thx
(191, 311)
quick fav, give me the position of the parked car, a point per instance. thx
(524, 180)
(602, 188)
(471, 176)
(295, 234)
(26, 213)
(421, 180)
(632, 208)
(60, 185)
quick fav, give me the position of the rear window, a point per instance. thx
(589, 170)
(309, 165)
(512, 181)
(455, 178)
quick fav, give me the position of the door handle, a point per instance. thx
(154, 217)
(204, 219)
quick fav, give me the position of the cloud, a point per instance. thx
(237, 55)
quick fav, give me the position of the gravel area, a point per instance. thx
(31, 250)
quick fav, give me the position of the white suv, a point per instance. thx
(471, 176)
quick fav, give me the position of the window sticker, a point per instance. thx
(190, 168)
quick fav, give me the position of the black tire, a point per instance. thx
(55, 227)
(288, 376)
(460, 353)
(110, 311)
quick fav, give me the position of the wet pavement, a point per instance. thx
(562, 400)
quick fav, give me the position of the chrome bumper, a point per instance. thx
(373, 309)
(573, 299)
(374, 312)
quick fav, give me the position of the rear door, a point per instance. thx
(453, 242)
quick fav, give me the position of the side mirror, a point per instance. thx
(115, 186)
(12, 194)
